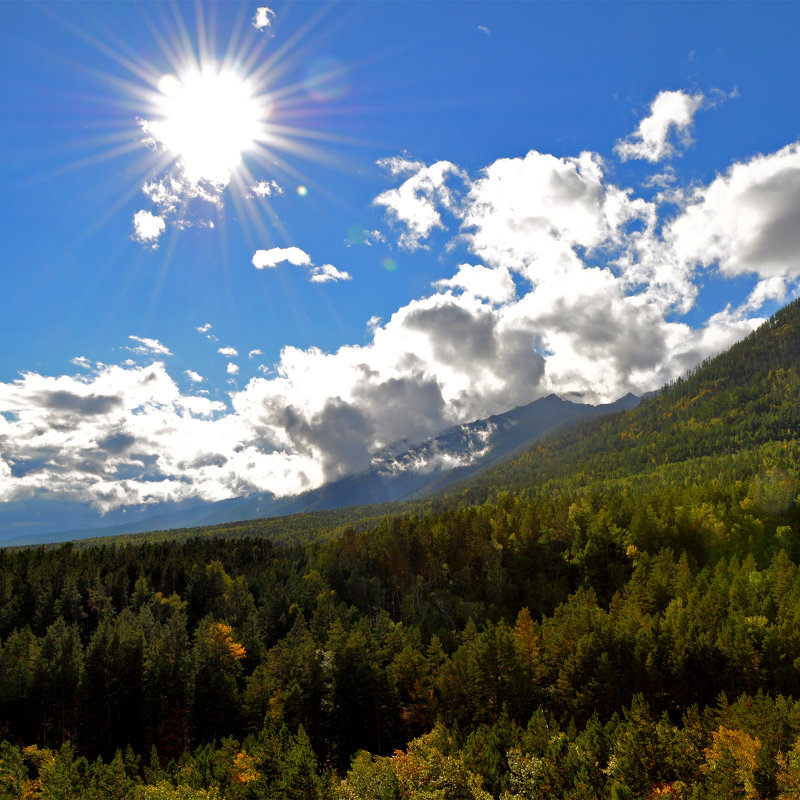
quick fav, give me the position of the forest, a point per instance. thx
(613, 614)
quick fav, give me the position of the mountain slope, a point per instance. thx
(742, 399)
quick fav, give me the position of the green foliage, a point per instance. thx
(570, 624)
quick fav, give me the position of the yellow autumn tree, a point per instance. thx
(733, 754)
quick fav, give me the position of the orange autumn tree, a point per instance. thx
(244, 769)
(224, 643)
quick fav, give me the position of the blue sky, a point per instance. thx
(429, 213)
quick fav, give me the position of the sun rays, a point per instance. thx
(215, 111)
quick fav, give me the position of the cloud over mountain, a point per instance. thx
(574, 285)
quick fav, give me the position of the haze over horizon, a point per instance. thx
(392, 223)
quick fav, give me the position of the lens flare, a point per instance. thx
(326, 79)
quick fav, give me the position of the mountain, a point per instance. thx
(401, 472)
(731, 410)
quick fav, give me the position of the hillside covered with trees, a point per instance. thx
(613, 614)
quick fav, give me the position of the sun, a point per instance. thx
(207, 117)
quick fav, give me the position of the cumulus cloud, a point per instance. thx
(129, 435)
(193, 376)
(230, 352)
(255, 352)
(773, 288)
(495, 285)
(277, 255)
(233, 369)
(263, 18)
(666, 130)
(531, 213)
(327, 273)
(602, 273)
(147, 227)
(747, 220)
(416, 203)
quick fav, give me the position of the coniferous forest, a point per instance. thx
(613, 614)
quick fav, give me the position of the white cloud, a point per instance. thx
(667, 129)
(496, 285)
(327, 273)
(149, 346)
(415, 204)
(255, 352)
(206, 330)
(165, 193)
(147, 227)
(230, 352)
(484, 29)
(747, 220)
(530, 213)
(130, 436)
(601, 277)
(277, 255)
(193, 376)
(400, 165)
(773, 288)
(263, 18)
(265, 189)
(294, 255)
(118, 437)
